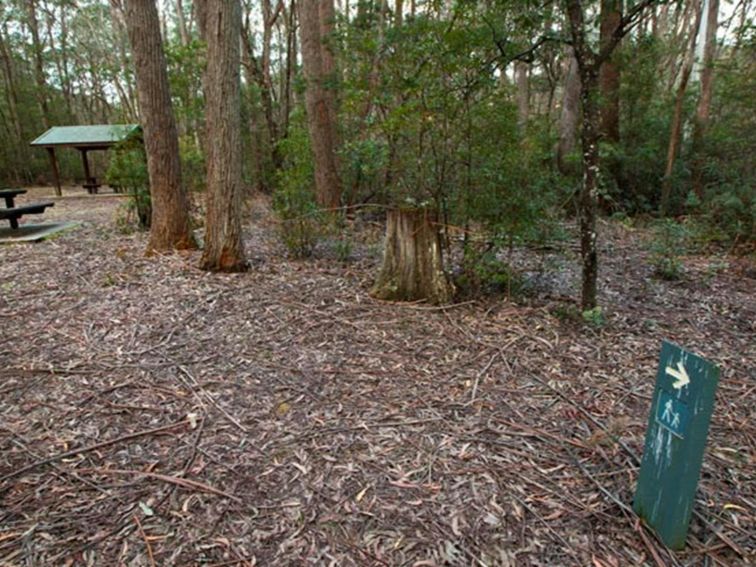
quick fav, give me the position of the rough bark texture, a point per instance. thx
(570, 114)
(224, 249)
(412, 259)
(704, 102)
(588, 67)
(169, 227)
(589, 64)
(676, 127)
(317, 63)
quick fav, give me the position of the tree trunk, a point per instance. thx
(704, 102)
(320, 115)
(588, 198)
(39, 70)
(169, 227)
(570, 115)
(676, 127)
(291, 56)
(523, 94)
(412, 259)
(609, 84)
(257, 135)
(224, 249)
(181, 19)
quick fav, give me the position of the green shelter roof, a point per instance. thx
(95, 135)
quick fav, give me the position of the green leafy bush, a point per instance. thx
(669, 242)
(128, 172)
(299, 217)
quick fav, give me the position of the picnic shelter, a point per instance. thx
(84, 139)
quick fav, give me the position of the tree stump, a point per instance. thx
(413, 267)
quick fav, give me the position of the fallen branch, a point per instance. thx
(89, 448)
(178, 481)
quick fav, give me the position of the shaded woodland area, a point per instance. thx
(383, 283)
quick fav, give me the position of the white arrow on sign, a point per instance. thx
(681, 374)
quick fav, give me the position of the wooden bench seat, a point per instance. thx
(15, 213)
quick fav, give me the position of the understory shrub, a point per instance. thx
(300, 219)
(669, 242)
(128, 172)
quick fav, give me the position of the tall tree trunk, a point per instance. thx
(320, 115)
(609, 85)
(570, 114)
(181, 18)
(523, 93)
(704, 102)
(224, 248)
(169, 227)
(257, 135)
(291, 55)
(677, 118)
(39, 69)
(20, 145)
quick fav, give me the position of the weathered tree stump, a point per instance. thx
(413, 265)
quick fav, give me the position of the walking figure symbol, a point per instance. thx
(671, 417)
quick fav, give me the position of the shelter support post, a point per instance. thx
(89, 184)
(56, 172)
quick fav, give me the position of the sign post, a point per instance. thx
(678, 425)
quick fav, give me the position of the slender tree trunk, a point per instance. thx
(588, 198)
(20, 148)
(181, 18)
(224, 248)
(257, 135)
(291, 55)
(523, 94)
(609, 85)
(570, 114)
(318, 100)
(169, 227)
(704, 102)
(39, 69)
(677, 118)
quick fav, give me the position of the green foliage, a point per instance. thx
(128, 172)
(669, 242)
(594, 317)
(193, 170)
(483, 271)
(299, 217)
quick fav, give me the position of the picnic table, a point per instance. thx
(12, 213)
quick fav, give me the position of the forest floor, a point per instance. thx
(155, 414)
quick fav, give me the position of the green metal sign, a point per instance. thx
(678, 425)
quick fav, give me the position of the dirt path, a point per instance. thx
(282, 416)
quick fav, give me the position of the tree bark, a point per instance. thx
(413, 266)
(589, 63)
(169, 227)
(570, 114)
(609, 74)
(319, 102)
(224, 248)
(703, 110)
(677, 120)
(39, 69)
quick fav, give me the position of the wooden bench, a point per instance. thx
(15, 213)
(92, 186)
